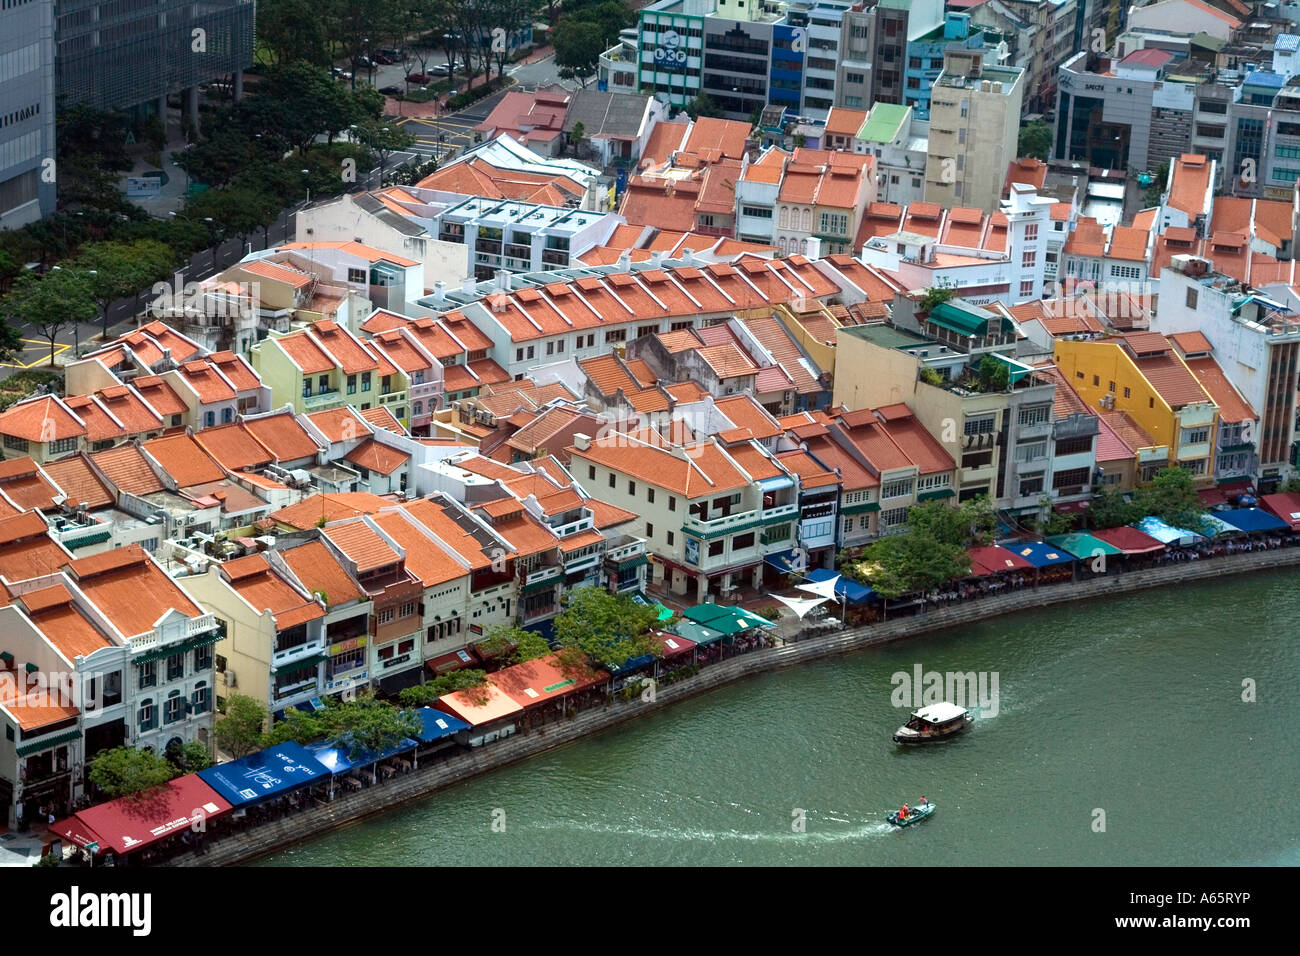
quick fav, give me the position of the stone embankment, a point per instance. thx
(350, 808)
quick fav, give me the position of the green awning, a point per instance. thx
(97, 538)
(180, 647)
(933, 495)
(309, 661)
(538, 586)
(860, 509)
(45, 743)
(630, 563)
(962, 321)
(1082, 545)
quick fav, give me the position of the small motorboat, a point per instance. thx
(914, 815)
(934, 723)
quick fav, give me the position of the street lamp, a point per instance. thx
(305, 174)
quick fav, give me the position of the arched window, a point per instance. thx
(785, 217)
(209, 419)
(227, 415)
(419, 409)
(807, 220)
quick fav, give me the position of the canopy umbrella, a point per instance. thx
(824, 588)
(800, 606)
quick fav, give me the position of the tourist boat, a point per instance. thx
(933, 723)
(914, 814)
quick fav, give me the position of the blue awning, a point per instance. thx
(1166, 534)
(773, 484)
(786, 563)
(437, 724)
(1040, 554)
(631, 664)
(1252, 519)
(335, 759)
(850, 590)
(264, 775)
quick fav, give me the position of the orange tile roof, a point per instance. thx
(362, 545)
(277, 272)
(1191, 183)
(184, 459)
(368, 253)
(24, 484)
(381, 417)
(1026, 170)
(160, 395)
(210, 385)
(283, 436)
(525, 533)
(253, 579)
(1088, 238)
(1171, 380)
(811, 473)
(772, 335)
(330, 507)
(351, 354)
(727, 361)
(1128, 243)
(372, 455)
(236, 369)
(52, 610)
(1127, 430)
(305, 352)
(233, 446)
(127, 468)
(696, 470)
(79, 482)
(451, 532)
(316, 568)
(43, 419)
(130, 590)
(853, 475)
(755, 464)
(340, 424)
(919, 445)
(424, 558)
(1232, 407)
(1191, 342)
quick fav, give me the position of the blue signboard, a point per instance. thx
(266, 774)
(670, 54)
(692, 551)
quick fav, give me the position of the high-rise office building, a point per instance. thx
(26, 111)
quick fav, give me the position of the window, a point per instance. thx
(201, 700)
(385, 616)
(1031, 451)
(1191, 298)
(352, 384)
(406, 610)
(616, 335)
(1028, 258)
(1031, 485)
(1071, 478)
(650, 495)
(743, 541)
(1127, 392)
(15, 444)
(612, 479)
(893, 517)
(365, 381)
(1031, 232)
(175, 708)
(649, 530)
(357, 276)
(210, 418)
(1111, 388)
(978, 426)
(405, 647)
(1073, 446)
(715, 549)
(202, 658)
(1195, 436)
(1036, 415)
(848, 524)
(669, 538)
(1096, 381)
(631, 487)
(146, 716)
(1027, 289)
(672, 503)
(147, 674)
(63, 444)
(896, 489)
(591, 472)
(175, 666)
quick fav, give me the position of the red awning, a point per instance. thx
(132, 823)
(76, 831)
(992, 559)
(1129, 540)
(674, 644)
(1284, 506)
(451, 662)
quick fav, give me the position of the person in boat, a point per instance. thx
(902, 814)
(924, 801)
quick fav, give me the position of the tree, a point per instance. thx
(1035, 140)
(10, 269)
(123, 771)
(118, 269)
(366, 724)
(296, 725)
(994, 376)
(384, 140)
(1291, 486)
(933, 297)
(909, 562)
(577, 48)
(49, 303)
(1110, 509)
(466, 679)
(1171, 496)
(607, 628)
(966, 525)
(1049, 522)
(289, 31)
(703, 105)
(239, 732)
(189, 758)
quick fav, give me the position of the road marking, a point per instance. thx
(43, 350)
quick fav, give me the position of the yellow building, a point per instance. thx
(1141, 374)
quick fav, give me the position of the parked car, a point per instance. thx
(442, 69)
(383, 59)
(391, 90)
(392, 52)
(419, 79)
(340, 74)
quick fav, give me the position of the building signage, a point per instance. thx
(693, 551)
(1099, 87)
(397, 660)
(671, 52)
(348, 645)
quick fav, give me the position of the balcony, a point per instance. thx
(779, 513)
(517, 251)
(290, 657)
(728, 524)
(489, 246)
(317, 401)
(555, 257)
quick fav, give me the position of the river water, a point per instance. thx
(1121, 738)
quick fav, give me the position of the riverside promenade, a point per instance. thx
(350, 808)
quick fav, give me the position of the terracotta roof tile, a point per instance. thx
(79, 482)
(372, 455)
(233, 446)
(330, 507)
(283, 436)
(316, 568)
(127, 468)
(43, 419)
(130, 590)
(184, 459)
(264, 589)
(362, 545)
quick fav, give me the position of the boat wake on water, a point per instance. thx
(687, 834)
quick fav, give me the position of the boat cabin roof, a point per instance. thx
(940, 713)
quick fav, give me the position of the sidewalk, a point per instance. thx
(22, 849)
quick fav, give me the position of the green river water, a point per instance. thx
(1132, 706)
